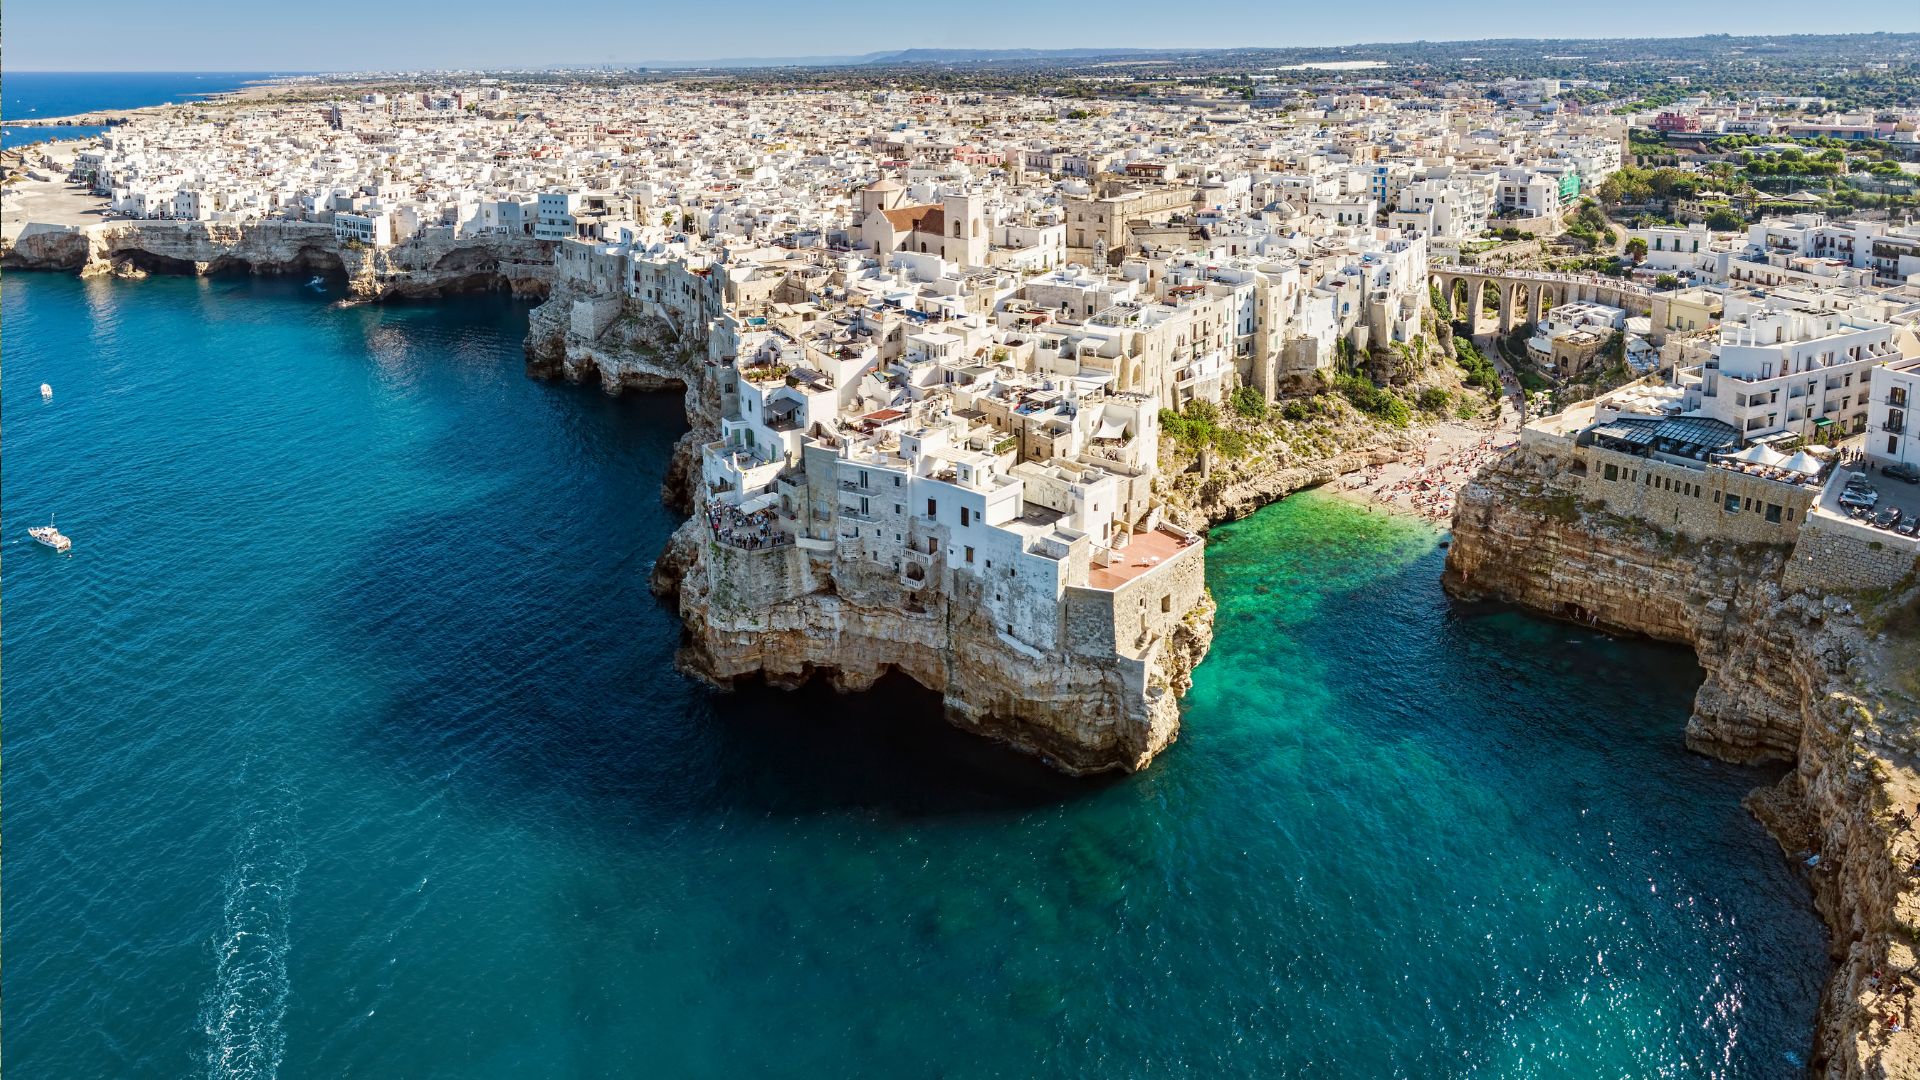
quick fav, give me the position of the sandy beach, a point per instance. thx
(1454, 451)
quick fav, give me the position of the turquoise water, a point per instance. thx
(346, 742)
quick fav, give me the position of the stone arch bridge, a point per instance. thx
(1522, 296)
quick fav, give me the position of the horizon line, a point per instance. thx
(779, 61)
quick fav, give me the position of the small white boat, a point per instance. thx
(318, 284)
(46, 392)
(50, 536)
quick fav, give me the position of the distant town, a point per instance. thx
(950, 343)
(975, 347)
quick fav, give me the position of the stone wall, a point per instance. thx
(1835, 555)
(1694, 502)
(1130, 619)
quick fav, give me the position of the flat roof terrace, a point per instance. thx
(1144, 553)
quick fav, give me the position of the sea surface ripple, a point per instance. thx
(347, 742)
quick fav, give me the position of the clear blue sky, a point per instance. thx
(386, 35)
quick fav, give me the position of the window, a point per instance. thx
(1773, 513)
(969, 552)
(1166, 603)
(1733, 504)
(966, 517)
(933, 509)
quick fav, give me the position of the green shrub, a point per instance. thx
(1249, 403)
(1373, 400)
(1434, 399)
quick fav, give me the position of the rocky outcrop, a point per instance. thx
(1233, 490)
(434, 263)
(1791, 674)
(580, 336)
(1081, 714)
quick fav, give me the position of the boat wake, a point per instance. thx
(242, 1013)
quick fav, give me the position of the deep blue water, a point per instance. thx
(347, 742)
(38, 94)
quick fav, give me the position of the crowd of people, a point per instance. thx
(751, 531)
(1429, 489)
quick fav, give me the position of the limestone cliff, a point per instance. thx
(1231, 490)
(1080, 713)
(434, 263)
(1791, 674)
(578, 336)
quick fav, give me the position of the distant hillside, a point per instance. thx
(893, 57)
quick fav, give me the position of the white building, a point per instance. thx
(1893, 428)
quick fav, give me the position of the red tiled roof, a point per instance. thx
(927, 219)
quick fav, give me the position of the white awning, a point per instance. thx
(1760, 455)
(759, 502)
(1111, 429)
(1802, 462)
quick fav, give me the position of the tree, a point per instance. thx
(1637, 250)
(1666, 281)
(1725, 220)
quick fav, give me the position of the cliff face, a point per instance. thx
(629, 351)
(1081, 714)
(432, 264)
(1790, 675)
(1233, 490)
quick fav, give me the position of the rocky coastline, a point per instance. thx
(1793, 674)
(433, 264)
(1081, 714)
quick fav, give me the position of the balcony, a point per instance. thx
(1893, 427)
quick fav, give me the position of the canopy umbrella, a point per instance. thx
(1760, 455)
(1803, 462)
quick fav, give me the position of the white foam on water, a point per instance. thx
(243, 1011)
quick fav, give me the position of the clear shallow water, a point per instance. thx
(347, 742)
(41, 94)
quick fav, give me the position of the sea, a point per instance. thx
(42, 94)
(347, 741)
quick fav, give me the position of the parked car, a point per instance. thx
(1909, 527)
(1855, 499)
(1887, 518)
(1909, 473)
(1858, 480)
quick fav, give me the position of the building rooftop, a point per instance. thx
(1144, 553)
